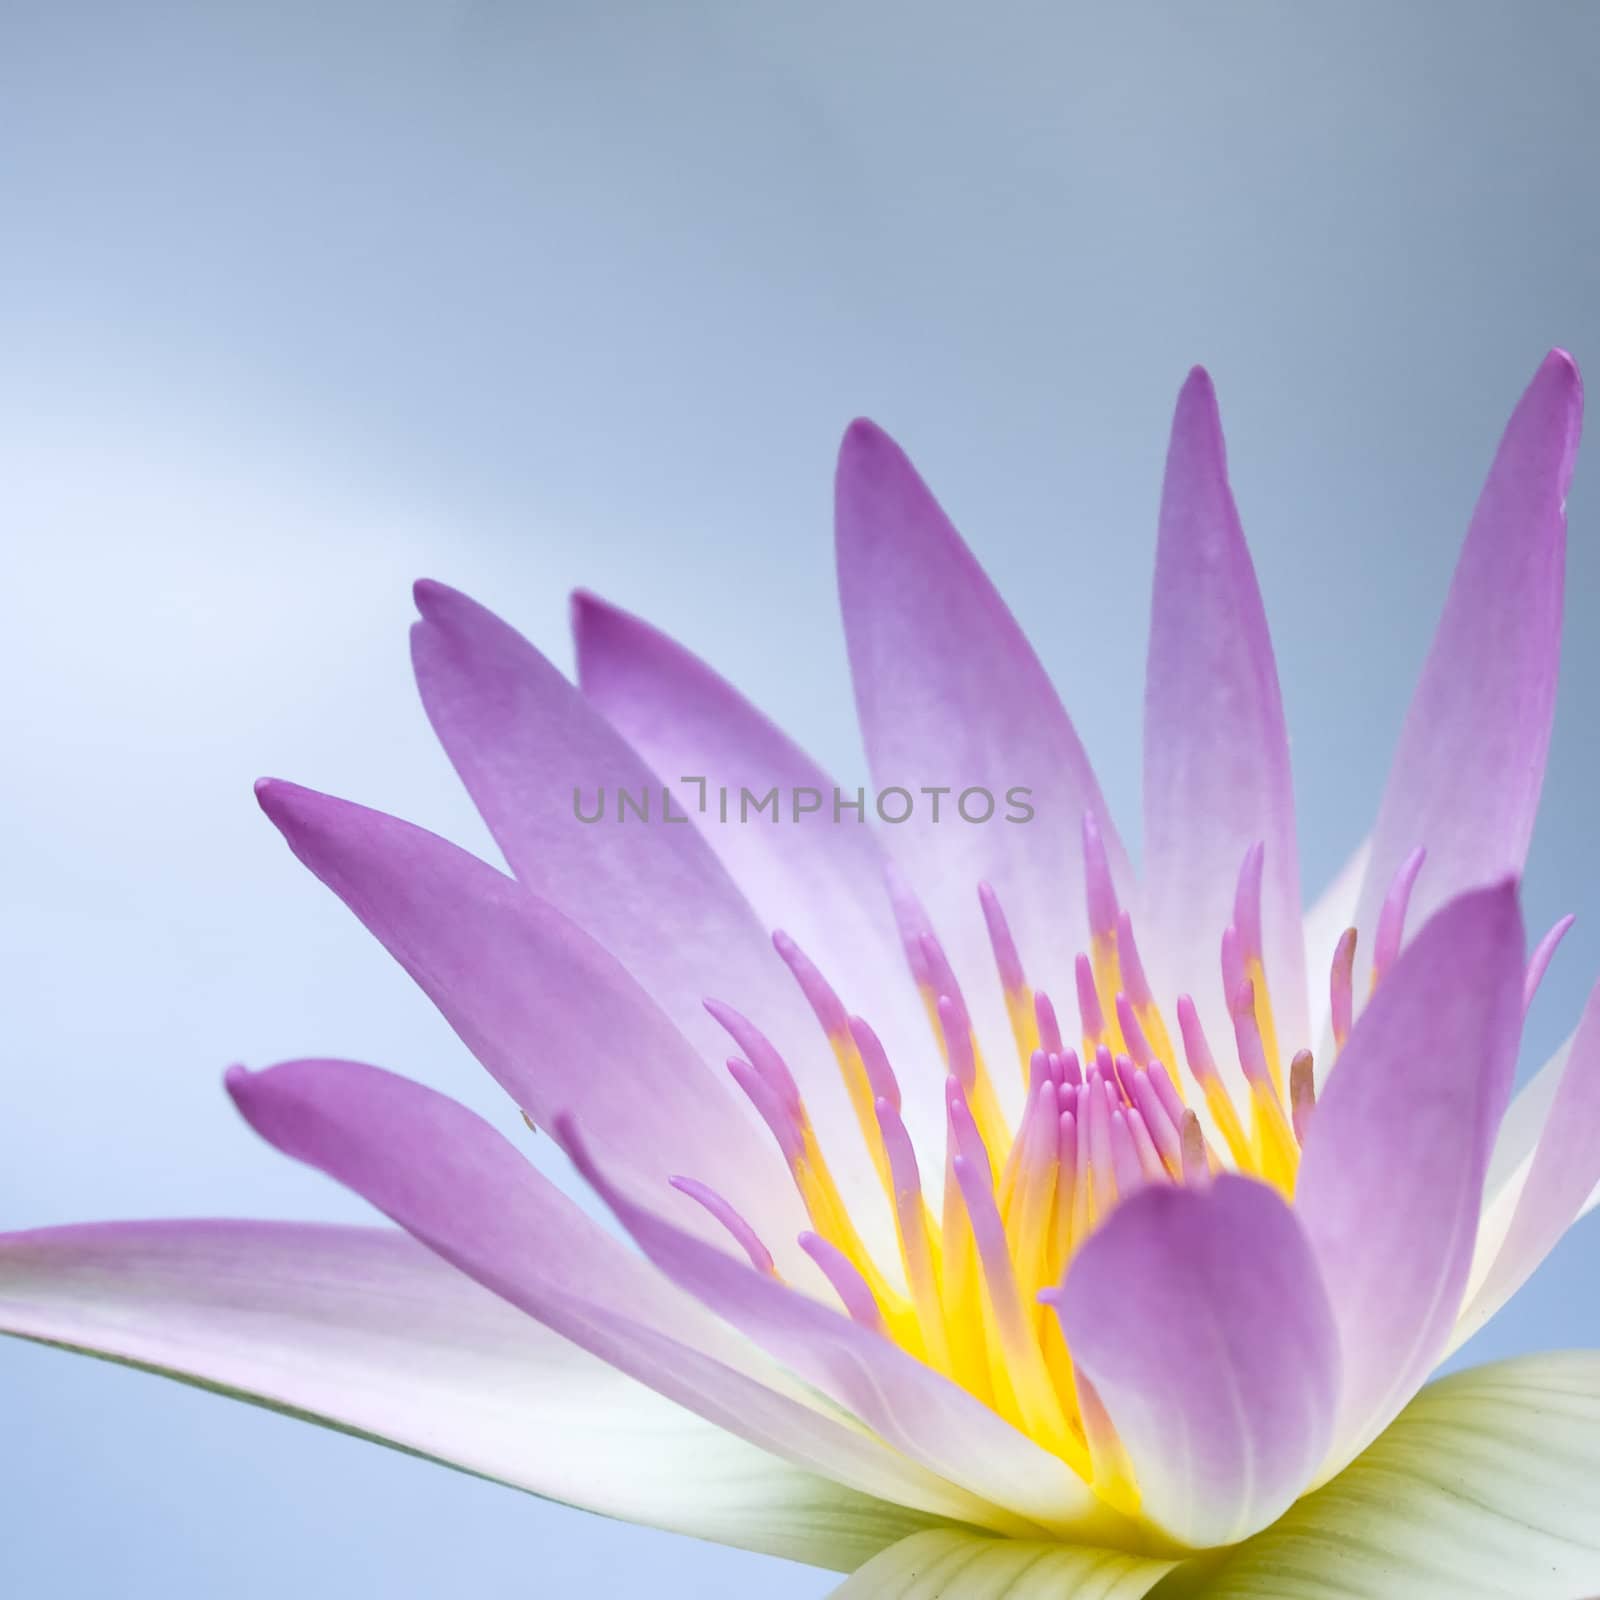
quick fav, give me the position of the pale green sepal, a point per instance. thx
(970, 1566)
(1486, 1487)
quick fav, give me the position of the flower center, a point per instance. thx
(982, 1252)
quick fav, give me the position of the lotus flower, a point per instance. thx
(1050, 1231)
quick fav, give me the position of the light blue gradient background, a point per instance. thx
(298, 302)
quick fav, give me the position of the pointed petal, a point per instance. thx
(969, 1566)
(1563, 1171)
(1199, 1317)
(654, 894)
(1466, 777)
(908, 1405)
(451, 1181)
(1216, 748)
(553, 1016)
(820, 878)
(951, 695)
(1486, 1485)
(364, 1330)
(1391, 1180)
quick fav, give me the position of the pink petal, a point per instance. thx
(1216, 749)
(950, 694)
(1392, 1176)
(821, 879)
(1563, 1172)
(450, 1180)
(654, 894)
(555, 1019)
(364, 1329)
(908, 1405)
(1466, 777)
(1200, 1319)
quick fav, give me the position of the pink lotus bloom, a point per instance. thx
(1127, 1287)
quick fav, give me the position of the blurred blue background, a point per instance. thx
(299, 302)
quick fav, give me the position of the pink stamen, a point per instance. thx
(855, 1296)
(1156, 1118)
(904, 1173)
(818, 991)
(1302, 1093)
(1049, 1028)
(958, 1041)
(743, 1234)
(763, 1056)
(1006, 959)
(1247, 1034)
(965, 1140)
(1070, 1071)
(1167, 1092)
(1144, 1145)
(1233, 968)
(1124, 1157)
(1099, 890)
(1539, 962)
(1196, 1050)
(874, 1059)
(1132, 1033)
(1101, 1160)
(1122, 1078)
(1392, 915)
(994, 1254)
(942, 978)
(1133, 973)
(1089, 1012)
(1039, 1070)
(1247, 902)
(1342, 987)
(770, 1108)
(1083, 1187)
(1066, 1179)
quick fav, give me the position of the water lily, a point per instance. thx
(1002, 1224)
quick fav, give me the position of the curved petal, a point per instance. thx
(951, 696)
(968, 1566)
(1486, 1485)
(531, 749)
(1563, 1171)
(553, 1016)
(365, 1331)
(447, 1178)
(1199, 1317)
(1466, 777)
(1216, 748)
(817, 875)
(907, 1404)
(1391, 1179)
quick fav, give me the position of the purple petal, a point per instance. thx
(1391, 1181)
(1564, 1170)
(907, 1404)
(525, 742)
(1466, 777)
(821, 879)
(951, 695)
(450, 1180)
(1216, 749)
(364, 1329)
(555, 1018)
(1200, 1319)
